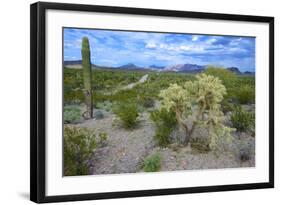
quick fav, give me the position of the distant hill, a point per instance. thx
(156, 67)
(73, 64)
(129, 66)
(185, 68)
(182, 68)
(234, 70)
(76, 62)
(249, 73)
(238, 72)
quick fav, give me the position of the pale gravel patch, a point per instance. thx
(184, 159)
(125, 149)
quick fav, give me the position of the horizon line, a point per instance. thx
(143, 67)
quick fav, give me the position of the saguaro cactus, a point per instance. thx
(87, 77)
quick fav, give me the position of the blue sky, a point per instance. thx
(116, 48)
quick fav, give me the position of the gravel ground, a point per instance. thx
(176, 157)
(125, 150)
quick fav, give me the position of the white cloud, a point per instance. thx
(175, 47)
(185, 48)
(211, 41)
(194, 38)
(68, 44)
(235, 42)
(150, 45)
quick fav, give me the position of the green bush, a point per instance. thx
(103, 138)
(242, 120)
(73, 95)
(99, 98)
(146, 101)
(124, 95)
(245, 94)
(226, 106)
(165, 122)
(127, 112)
(152, 163)
(199, 145)
(71, 114)
(78, 144)
(98, 115)
(227, 77)
(104, 105)
(244, 154)
(245, 150)
(72, 84)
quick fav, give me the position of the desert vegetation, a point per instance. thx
(116, 123)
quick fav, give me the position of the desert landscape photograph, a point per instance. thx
(139, 101)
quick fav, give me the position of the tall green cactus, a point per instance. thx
(87, 77)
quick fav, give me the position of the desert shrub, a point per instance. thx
(199, 102)
(227, 77)
(140, 109)
(152, 163)
(103, 136)
(241, 119)
(146, 101)
(98, 114)
(124, 95)
(99, 99)
(79, 144)
(165, 122)
(127, 112)
(244, 151)
(72, 84)
(104, 105)
(245, 94)
(199, 145)
(244, 154)
(71, 114)
(226, 106)
(74, 95)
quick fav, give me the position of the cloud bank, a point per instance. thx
(116, 48)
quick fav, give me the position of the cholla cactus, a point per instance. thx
(175, 99)
(207, 91)
(199, 102)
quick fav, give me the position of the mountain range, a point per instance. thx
(182, 68)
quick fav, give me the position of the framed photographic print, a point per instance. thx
(129, 102)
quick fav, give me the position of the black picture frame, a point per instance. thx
(38, 101)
